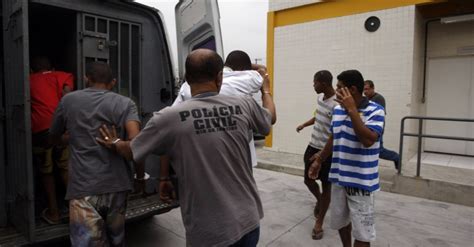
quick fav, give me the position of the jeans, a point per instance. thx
(388, 154)
(248, 240)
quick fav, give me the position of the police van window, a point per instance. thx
(90, 23)
(209, 43)
(135, 61)
(113, 49)
(102, 26)
(124, 59)
(124, 52)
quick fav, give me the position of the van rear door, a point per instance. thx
(197, 26)
(18, 169)
(3, 216)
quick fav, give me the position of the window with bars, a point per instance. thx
(117, 43)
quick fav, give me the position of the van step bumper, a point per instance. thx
(138, 208)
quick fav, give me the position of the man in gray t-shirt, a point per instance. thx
(98, 178)
(207, 139)
(386, 154)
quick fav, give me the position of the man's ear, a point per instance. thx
(219, 80)
(353, 90)
(86, 80)
(112, 83)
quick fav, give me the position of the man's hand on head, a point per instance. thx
(345, 99)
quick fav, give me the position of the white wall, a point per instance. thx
(275, 5)
(337, 44)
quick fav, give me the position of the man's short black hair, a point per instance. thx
(352, 78)
(370, 83)
(99, 72)
(203, 67)
(323, 76)
(238, 60)
(40, 63)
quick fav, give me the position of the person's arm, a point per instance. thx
(110, 141)
(305, 124)
(133, 128)
(151, 139)
(166, 188)
(267, 100)
(66, 89)
(260, 68)
(68, 84)
(183, 94)
(366, 136)
(318, 158)
(57, 128)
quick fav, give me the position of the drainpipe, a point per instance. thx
(425, 62)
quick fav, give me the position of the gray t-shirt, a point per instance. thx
(207, 140)
(93, 169)
(379, 99)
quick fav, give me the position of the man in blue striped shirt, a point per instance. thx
(356, 127)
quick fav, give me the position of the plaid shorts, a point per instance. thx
(98, 220)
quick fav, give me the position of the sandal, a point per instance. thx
(44, 216)
(317, 235)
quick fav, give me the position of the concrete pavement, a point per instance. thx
(400, 220)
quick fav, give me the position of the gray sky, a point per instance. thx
(243, 24)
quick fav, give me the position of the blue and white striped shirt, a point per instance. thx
(353, 164)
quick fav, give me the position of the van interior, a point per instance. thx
(52, 33)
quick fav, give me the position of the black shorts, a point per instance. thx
(325, 166)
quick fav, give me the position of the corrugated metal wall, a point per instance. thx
(19, 174)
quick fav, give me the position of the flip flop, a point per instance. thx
(44, 216)
(317, 235)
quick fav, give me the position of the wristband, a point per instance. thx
(162, 179)
(114, 144)
(144, 178)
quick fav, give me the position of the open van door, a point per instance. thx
(3, 215)
(197, 26)
(18, 165)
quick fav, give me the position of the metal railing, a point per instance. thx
(420, 136)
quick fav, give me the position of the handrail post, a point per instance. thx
(402, 131)
(418, 159)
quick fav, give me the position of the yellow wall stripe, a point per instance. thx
(270, 52)
(337, 8)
